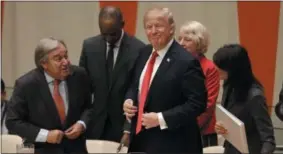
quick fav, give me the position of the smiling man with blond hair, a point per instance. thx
(167, 93)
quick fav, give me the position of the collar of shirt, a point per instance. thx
(49, 79)
(118, 43)
(162, 52)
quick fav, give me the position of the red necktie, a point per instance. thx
(59, 101)
(144, 90)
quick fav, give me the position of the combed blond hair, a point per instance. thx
(165, 13)
(198, 33)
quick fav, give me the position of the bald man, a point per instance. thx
(109, 59)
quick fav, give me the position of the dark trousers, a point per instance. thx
(110, 133)
(209, 140)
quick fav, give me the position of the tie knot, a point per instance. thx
(56, 82)
(155, 54)
(112, 46)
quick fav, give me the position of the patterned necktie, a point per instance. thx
(59, 101)
(144, 90)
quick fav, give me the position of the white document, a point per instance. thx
(236, 129)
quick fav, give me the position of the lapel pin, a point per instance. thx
(168, 59)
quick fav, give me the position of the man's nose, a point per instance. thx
(153, 30)
(65, 61)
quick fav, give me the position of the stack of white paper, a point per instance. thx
(236, 129)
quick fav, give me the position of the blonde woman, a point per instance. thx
(195, 39)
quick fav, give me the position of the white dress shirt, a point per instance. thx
(63, 90)
(115, 49)
(159, 58)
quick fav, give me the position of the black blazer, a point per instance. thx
(108, 101)
(253, 112)
(32, 107)
(178, 91)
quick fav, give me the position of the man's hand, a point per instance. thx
(74, 131)
(129, 109)
(125, 139)
(55, 136)
(150, 120)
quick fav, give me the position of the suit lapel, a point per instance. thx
(167, 61)
(141, 64)
(121, 60)
(98, 59)
(101, 56)
(47, 98)
(71, 96)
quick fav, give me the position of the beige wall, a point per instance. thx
(27, 22)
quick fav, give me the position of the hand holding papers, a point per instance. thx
(236, 133)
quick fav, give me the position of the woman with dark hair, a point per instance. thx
(243, 96)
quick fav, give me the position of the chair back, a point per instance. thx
(9, 143)
(213, 149)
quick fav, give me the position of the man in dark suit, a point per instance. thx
(51, 105)
(109, 59)
(167, 93)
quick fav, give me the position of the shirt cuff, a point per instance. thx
(83, 123)
(162, 122)
(127, 132)
(42, 135)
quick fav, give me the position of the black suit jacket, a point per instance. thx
(32, 107)
(254, 114)
(108, 100)
(178, 91)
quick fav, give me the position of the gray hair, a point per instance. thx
(166, 13)
(198, 33)
(44, 47)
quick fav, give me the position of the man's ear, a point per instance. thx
(44, 64)
(122, 24)
(172, 28)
